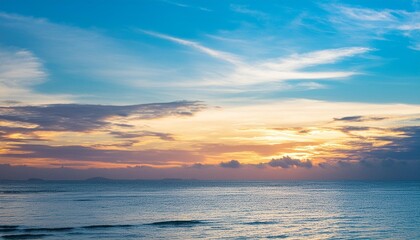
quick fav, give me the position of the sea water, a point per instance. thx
(181, 209)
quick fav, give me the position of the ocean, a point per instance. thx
(189, 209)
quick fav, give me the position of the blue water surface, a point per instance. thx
(181, 209)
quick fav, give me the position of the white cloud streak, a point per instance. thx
(211, 52)
(183, 5)
(277, 69)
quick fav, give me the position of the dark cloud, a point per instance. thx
(230, 164)
(358, 119)
(287, 162)
(403, 146)
(200, 165)
(82, 153)
(26, 121)
(140, 134)
(353, 128)
(398, 159)
(124, 125)
(353, 131)
(85, 117)
(350, 119)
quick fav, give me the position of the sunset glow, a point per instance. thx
(239, 91)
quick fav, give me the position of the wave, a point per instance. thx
(8, 228)
(25, 236)
(277, 236)
(261, 223)
(15, 228)
(177, 223)
(28, 191)
(107, 226)
(62, 229)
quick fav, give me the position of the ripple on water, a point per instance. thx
(25, 236)
(177, 223)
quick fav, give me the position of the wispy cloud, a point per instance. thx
(376, 23)
(365, 14)
(271, 70)
(248, 11)
(183, 5)
(211, 52)
(292, 67)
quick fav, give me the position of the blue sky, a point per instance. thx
(206, 89)
(98, 51)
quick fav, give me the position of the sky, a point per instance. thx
(214, 89)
